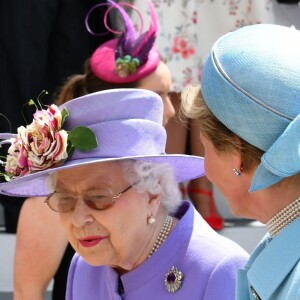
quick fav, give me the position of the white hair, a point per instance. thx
(51, 180)
(154, 178)
(146, 176)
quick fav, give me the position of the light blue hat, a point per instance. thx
(251, 83)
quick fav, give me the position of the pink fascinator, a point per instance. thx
(130, 57)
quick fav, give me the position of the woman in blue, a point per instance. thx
(248, 109)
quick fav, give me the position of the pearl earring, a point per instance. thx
(151, 220)
(236, 172)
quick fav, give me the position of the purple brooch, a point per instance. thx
(173, 280)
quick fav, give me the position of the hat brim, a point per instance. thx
(186, 167)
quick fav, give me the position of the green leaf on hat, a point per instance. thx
(7, 177)
(64, 114)
(83, 138)
(70, 149)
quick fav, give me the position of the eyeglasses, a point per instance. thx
(95, 199)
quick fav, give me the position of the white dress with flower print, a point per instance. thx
(188, 29)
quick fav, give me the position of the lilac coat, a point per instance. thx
(208, 261)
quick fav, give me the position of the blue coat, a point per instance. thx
(273, 270)
(207, 260)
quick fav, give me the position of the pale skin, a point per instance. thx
(124, 236)
(160, 82)
(39, 234)
(32, 276)
(176, 143)
(261, 205)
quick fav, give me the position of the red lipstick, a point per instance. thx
(90, 241)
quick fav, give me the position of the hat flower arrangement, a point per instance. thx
(44, 143)
(126, 65)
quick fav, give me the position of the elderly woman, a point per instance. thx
(32, 276)
(248, 109)
(107, 175)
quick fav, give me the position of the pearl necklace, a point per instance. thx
(163, 234)
(284, 218)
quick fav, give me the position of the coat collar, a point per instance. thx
(169, 252)
(273, 260)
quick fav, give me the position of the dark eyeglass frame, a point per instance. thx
(88, 203)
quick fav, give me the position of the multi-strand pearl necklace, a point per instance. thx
(163, 234)
(284, 218)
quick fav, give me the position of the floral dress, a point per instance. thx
(188, 29)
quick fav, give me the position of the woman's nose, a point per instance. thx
(82, 214)
(169, 110)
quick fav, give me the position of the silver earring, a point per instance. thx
(236, 172)
(151, 220)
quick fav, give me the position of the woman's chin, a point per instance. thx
(93, 260)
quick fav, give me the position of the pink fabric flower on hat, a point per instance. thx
(51, 117)
(39, 146)
(16, 165)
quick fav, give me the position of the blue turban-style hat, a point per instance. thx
(251, 83)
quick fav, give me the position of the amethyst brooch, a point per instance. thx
(173, 280)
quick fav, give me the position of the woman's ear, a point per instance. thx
(153, 204)
(236, 157)
(243, 177)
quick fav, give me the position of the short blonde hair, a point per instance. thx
(224, 140)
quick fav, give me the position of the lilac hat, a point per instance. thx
(251, 83)
(127, 124)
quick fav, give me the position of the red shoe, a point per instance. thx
(215, 221)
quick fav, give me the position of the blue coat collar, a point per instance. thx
(271, 262)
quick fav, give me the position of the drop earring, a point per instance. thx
(151, 220)
(236, 172)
